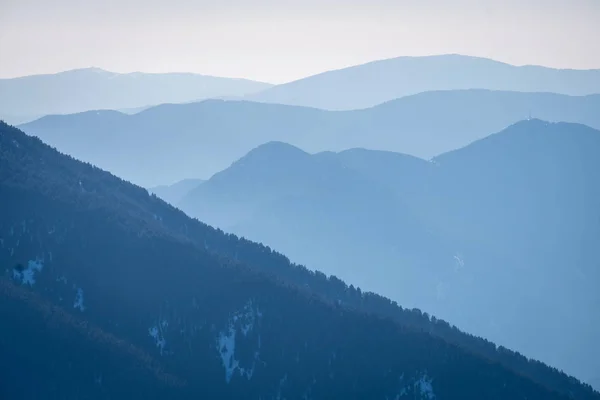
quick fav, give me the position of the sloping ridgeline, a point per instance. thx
(108, 292)
(498, 237)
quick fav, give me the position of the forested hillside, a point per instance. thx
(505, 220)
(99, 274)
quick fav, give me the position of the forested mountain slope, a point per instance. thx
(510, 221)
(99, 274)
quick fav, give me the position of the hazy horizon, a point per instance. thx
(278, 42)
(92, 67)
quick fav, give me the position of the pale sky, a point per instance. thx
(282, 40)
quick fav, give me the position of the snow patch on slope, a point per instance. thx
(226, 342)
(425, 387)
(27, 275)
(243, 321)
(156, 332)
(78, 304)
(421, 387)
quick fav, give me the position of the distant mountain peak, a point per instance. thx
(277, 149)
(97, 70)
(533, 136)
(271, 158)
(531, 122)
(536, 123)
(448, 56)
(88, 70)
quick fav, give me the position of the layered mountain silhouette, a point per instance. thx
(177, 309)
(175, 141)
(26, 98)
(499, 237)
(376, 82)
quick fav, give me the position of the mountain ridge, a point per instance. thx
(29, 97)
(206, 137)
(99, 70)
(481, 207)
(375, 82)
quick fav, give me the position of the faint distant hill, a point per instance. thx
(175, 192)
(376, 82)
(175, 141)
(86, 89)
(500, 236)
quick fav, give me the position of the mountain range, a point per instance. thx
(510, 220)
(27, 98)
(177, 309)
(175, 141)
(339, 237)
(367, 85)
